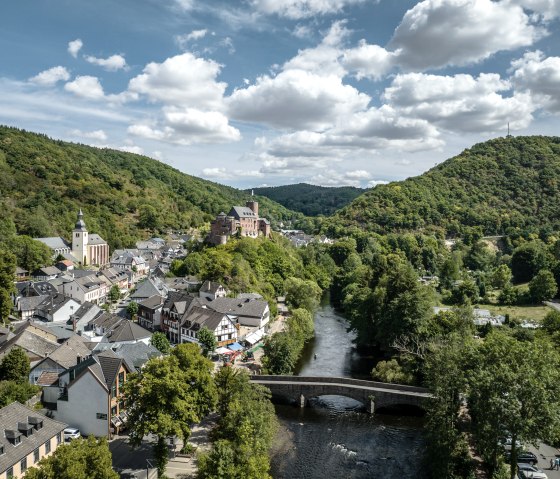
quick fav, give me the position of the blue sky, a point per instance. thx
(255, 92)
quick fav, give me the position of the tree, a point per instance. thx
(527, 260)
(281, 353)
(80, 459)
(160, 341)
(391, 372)
(245, 430)
(15, 366)
(301, 323)
(207, 340)
(132, 309)
(30, 254)
(551, 322)
(509, 295)
(114, 293)
(167, 396)
(302, 293)
(514, 391)
(11, 391)
(148, 218)
(7, 274)
(542, 286)
(501, 276)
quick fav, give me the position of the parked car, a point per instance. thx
(507, 442)
(71, 433)
(531, 472)
(523, 457)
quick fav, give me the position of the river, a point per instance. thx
(334, 439)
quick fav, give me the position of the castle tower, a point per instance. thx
(80, 240)
(254, 207)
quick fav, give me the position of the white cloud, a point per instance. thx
(181, 80)
(459, 103)
(333, 178)
(112, 63)
(296, 99)
(187, 126)
(98, 135)
(549, 9)
(302, 31)
(183, 40)
(436, 33)
(217, 173)
(74, 47)
(297, 9)
(51, 76)
(358, 175)
(185, 5)
(131, 149)
(540, 77)
(369, 61)
(374, 183)
(86, 87)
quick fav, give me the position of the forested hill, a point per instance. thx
(311, 200)
(124, 196)
(498, 185)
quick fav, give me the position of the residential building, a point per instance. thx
(149, 312)
(186, 283)
(249, 312)
(84, 315)
(148, 288)
(175, 306)
(92, 395)
(87, 288)
(212, 290)
(37, 342)
(115, 277)
(45, 274)
(242, 220)
(57, 308)
(21, 274)
(27, 437)
(220, 324)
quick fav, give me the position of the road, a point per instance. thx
(544, 453)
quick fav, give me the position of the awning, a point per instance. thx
(235, 347)
(255, 337)
(222, 350)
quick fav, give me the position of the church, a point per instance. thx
(85, 249)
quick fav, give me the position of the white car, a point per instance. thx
(71, 433)
(531, 472)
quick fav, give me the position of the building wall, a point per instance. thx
(79, 246)
(86, 398)
(257, 322)
(64, 313)
(54, 443)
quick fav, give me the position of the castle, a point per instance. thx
(85, 249)
(241, 219)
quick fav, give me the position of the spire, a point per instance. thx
(80, 224)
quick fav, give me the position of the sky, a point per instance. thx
(270, 92)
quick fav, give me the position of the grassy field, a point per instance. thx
(534, 313)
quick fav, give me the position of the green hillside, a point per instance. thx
(500, 185)
(311, 200)
(124, 196)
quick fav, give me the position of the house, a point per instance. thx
(21, 274)
(27, 307)
(27, 437)
(242, 220)
(220, 324)
(135, 355)
(249, 312)
(65, 265)
(175, 306)
(57, 308)
(186, 283)
(115, 277)
(149, 312)
(91, 395)
(148, 288)
(88, 288)
(113, 329)
(212, 290)
(45, 274)
(126, 260)
(46, 372)
(84, 315)
(37, 342)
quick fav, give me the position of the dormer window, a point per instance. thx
(1, 449)
(13, 436)
(25, 428)
(36, 422)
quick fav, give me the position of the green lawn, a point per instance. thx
(535, 313)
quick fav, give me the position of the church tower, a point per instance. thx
(80, 240)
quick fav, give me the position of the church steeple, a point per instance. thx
(80, 224)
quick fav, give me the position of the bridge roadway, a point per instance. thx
(373, 395)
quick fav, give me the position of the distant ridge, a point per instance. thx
(503, 185)
(124, 196)
(311, 200)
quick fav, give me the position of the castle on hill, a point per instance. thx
(84, 249)
(242, 220)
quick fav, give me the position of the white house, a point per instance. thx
(222, 325)
(212, 290)
(249, 312)
(57, 308)
(88, 288)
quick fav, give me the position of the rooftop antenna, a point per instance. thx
(508, 135)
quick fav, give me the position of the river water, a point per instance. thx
(335, 439)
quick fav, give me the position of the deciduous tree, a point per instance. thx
(207, 340)
(160, 341)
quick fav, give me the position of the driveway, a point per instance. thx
(130, 460)
(544, 453)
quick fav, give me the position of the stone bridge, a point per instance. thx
(373, 395)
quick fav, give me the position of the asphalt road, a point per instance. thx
(544, 453)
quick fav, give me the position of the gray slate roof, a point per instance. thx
(135, 355)
(31, 343)
(237, 307)
(94, 239)
(54, 242)
(149, 288)
(126, 330)
(13, 414)
(210, 287)
(153, 302)
(239, 212)
(67, 354)
(199, 317)
(46, 271)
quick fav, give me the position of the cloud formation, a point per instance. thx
(74, 47)
(51, 76)
(112, 63)
(298, 9)
(86, 86)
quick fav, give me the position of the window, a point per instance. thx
(17, 440)
(102, 416)
(58, 438)
(23, 464)
(114, 411)
(1, 450)
(48, 447)
(10, 473)
(114, 391)
(36, 455)
(121, 379)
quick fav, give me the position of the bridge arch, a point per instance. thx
(374, 395)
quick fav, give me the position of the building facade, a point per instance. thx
(242, 220)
